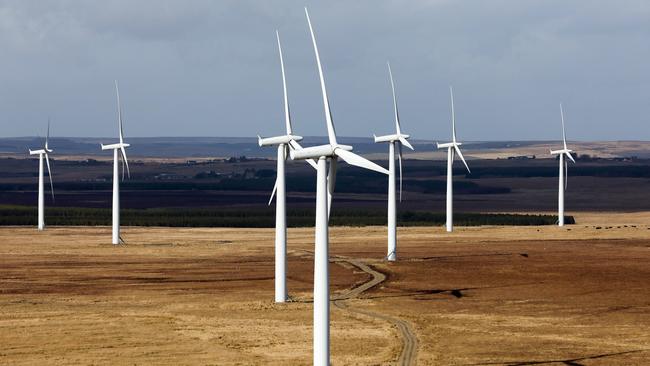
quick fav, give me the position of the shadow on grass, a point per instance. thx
(568, 361)
(455, 292)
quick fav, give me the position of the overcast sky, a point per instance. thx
(211, 68)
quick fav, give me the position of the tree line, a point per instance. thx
(255, 218)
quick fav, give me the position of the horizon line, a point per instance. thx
(310, 136)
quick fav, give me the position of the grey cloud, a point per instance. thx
(211, 67)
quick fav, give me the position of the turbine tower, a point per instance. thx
(283, 143)
(324, 189)
(563, 172)
(44, 152)
(118, 149)
(398, 139)
(453, 148)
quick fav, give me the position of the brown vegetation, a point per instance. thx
(483, 295)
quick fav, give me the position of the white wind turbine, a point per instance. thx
(44, 152)
(118, 149)
(324, 189)
(563, 172)
(453, 148)
(398, 139)
(283, 142)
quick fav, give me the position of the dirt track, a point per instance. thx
(504, 296)
(408, 353)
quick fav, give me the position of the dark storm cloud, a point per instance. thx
(198, 68)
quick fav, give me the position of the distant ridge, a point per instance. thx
(207, 147)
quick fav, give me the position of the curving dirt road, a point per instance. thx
(408, 356)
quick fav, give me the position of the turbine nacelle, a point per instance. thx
(337, 151)
(45, 149)
(448, 145)
(315, 152)
(38, 152)
(119, 145)
(456, 147)
(277, 140)
(566, 152)
(563, 151)
(390, 138)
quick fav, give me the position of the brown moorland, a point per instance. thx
(578, 295)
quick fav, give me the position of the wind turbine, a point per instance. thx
(118, 149)
(563, 172)
(283, 143)
(453, 148)
(44, 152)
(398, 139)
(324, 189)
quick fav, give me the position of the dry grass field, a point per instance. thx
(480, 296)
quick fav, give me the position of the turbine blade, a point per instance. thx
(453, 115)
(47, 137)
(119, 113)
(126, 162)
(49, 173)
(399, 160)
(406, 143)
(287, 114)
(460, 155)
(331, 133)
(392, 85)
(275, 188)
(296, 146)
(563, 131)
(570, 157)
(331, 184)
(357, 160)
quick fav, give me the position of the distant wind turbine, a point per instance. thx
(324, 189)
(118, 149)
(44, 152)
(284, 142)
(453, 148)
(563, 172)
(398, 139)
